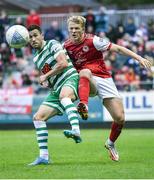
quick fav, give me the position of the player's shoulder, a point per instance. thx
(89, 36)
(89, 39)
(52, 44)
(52, 41)
(102, 40)
(67, 43)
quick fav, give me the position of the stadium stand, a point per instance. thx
(52, 6)
(17, 64)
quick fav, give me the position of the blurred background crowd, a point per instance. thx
(16, 65)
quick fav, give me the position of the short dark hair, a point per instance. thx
(34, 26)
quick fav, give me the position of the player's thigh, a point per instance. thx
(85, 73)
(115, 107)
(106, 88)
(70, 88)
(67, 91)
(93, 88)
(44, 113)
(50, 107)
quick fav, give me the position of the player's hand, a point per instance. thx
(145, 63)
(45, 84)
(42, 78)
(43, 81)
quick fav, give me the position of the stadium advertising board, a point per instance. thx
(138, 106)
(95, 112)
(16, 101)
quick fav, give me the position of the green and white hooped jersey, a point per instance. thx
(45, 60)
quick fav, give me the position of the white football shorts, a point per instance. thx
(106, 87)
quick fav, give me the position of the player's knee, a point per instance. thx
(39, 117)
(67, 92)
(70, 96)
(85, 73)
(120, 118)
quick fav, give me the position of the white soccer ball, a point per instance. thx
(17, 36)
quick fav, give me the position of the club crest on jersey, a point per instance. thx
(85, 48)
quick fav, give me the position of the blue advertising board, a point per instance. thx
(95, 113)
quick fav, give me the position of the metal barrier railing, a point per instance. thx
(115, 16)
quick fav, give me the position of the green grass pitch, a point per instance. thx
(88, 160)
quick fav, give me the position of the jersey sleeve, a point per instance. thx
(56, 48)
(101, 44)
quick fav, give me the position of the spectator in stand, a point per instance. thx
(133, 64)
(102, 20)
(146, 77)
(26, 81)
(5, 54)
(130, 75)
(111, 33)
(4, 22)
(33, 18)
(149, 51)
(115, 65)
(54, 32)
(120, 79)
(119, 31)
(19, 21)
(151, 29)
(90, 21)
(130, 26)
(149, 81)
(141, 32)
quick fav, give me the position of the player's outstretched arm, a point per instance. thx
(122, 50)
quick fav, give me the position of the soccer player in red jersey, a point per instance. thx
(86, 52)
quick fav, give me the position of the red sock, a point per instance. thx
(115, 131)
(84, 89)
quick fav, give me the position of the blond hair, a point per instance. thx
(78, 20)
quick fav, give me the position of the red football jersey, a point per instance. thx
(89, 54)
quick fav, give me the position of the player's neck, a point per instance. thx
(43, 44)
(79, 41)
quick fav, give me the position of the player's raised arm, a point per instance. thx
(122, 50)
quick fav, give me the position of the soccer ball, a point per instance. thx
(17, 36)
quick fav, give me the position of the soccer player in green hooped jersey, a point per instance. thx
(58, 74)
